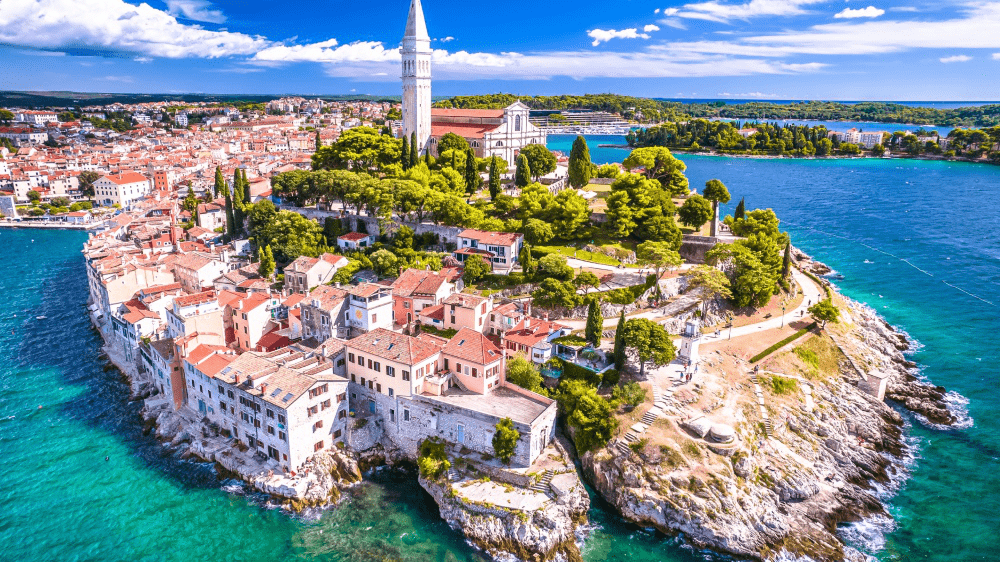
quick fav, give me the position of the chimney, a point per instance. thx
(322, 350)
(237, 378)
(527, 322)
(263, 388)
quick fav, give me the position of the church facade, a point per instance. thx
(490, 132)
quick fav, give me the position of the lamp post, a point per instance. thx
(782, 316)
(730, 316)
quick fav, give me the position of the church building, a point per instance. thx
(500, 132)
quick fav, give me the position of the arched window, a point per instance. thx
(499, 143)
(517, 123)
(475, 144)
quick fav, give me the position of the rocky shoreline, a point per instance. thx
(781, 490)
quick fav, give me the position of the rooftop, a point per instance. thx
(501, 402)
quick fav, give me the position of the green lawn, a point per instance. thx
(572, 252)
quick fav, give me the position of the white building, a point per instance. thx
(123, 189)
(416, 52)
(8, 207)
(36, 117)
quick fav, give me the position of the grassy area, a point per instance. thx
(816, 358)
(598, 187)
(782, 343)
(783, 385)
(571, 340)
(572, 252)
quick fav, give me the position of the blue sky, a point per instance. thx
(768, 49)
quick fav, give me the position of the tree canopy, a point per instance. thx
(650, 342)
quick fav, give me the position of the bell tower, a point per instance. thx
(416, 53)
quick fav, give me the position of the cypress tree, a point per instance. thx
(494, 178)
(246, 189)
(741, 210)
(472, 179)
(526, 261)
(595, 323)
(230, 214)
(319, 142)
(579, 163)
(786, 261)
(266, 267)
(405, 154)
(427, 157)
(415, 154)
(522, 176)
(220, 182)
(619, 353)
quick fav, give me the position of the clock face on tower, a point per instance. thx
(357, 314)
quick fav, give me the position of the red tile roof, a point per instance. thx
(481, 113)
(494, 238)
(464, 130)
(394, 347)
(470, 345)
(126, 177)
(353, 236)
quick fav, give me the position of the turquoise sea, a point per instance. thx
(916, 240)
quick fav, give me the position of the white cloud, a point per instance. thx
(869, 12)
(604, 35)
(126, 79)
(650, 28)
(757, 95)
(718, 12)
(673, 22)
(956, 58)
(115, 26)
(656, 11)
(197, 10)
(447, 39)
(142, 60)
(904, 9)
(996, 56)
(670, 11)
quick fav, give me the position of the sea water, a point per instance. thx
(915, 240)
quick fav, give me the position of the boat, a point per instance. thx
(40, 317)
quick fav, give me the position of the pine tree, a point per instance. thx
(741, 210)
(494, 178)
(522, 176)
(220, 182)
(266, 267)
(472, 179)
(405, 153)
(786, 262)
(619, 353)
(595, 323)
(415, 154)
(580, 167)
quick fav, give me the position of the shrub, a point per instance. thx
(808, 356)
(638, 446)
(432, 460)
(783, 385)
(611, 377)
(505, 440)
(572, 371)
(630, 394)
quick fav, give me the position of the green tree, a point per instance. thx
(752, 282)
(332, 228)
(619, 350)
(385, 263)
(405, 159)
(580, 166)
(505, 440)
(589, 416)
(657, 163)
(537, 231)
(741, 210)
(585, 281)
(319, 141)
(609, 171)
(475, 269)
(553, 293)
(878, 150)
(220, 182)
(190, 203)
(695, 211)
(361, 149)
(247, 197)
(524, 374)
(495, 184)
(473, 181)
(230, 211)
(415, 152)
(650, 341)
(825, 311)
(569, 214)
(266, 267)
(451, 141)
(86, 181)
(712, 282)
(6, 116)
(541, 161)
(631, 394)
(522, 175)
(621, 216)
(716, 192)
(526, 260)
(34, 196)
(659, 255)
(786, 261)
(554, 266)
(595, 323)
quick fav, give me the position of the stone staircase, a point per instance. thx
(542, 485)
(759, 393)
(634, 433)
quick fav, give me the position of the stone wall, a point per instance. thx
(447, 234)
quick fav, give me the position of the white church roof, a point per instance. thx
(415, 26)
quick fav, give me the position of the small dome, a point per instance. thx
(722, 433)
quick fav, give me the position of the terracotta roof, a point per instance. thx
(195, 299)
(464, 130)
(435, 312)
(126, 177)
(365, 289)
(394, 347)
(471, 345)
(482, 113)
(353, 236)
(487, 237)
(464, 300)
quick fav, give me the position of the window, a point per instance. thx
(270, 429)
(406, 305)
(354, 378)
(281, 419)
(362, 381)
(318, 425)
(406, 415)
(312, 411)
(475, 372)
(282, 436)
(389, 370)
(391, 392)
(378, 367)
(371, 385)
(392, 415)
(318, 446)
(350, 357)
(336, 434)
(406, 375)
(374, 318)
(517, 123)
(256, 423)
(341, 414)
(378, 388)
(270, 413)
(341, 397)
(325, 404)
(361, 361)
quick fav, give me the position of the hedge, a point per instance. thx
(818, 282)
(782, 343)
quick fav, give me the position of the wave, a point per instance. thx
(958, 405)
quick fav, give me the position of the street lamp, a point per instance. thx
(782, 316)
(730, 317)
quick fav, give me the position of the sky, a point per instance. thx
(906, 50)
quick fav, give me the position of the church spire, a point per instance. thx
(415, 26)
